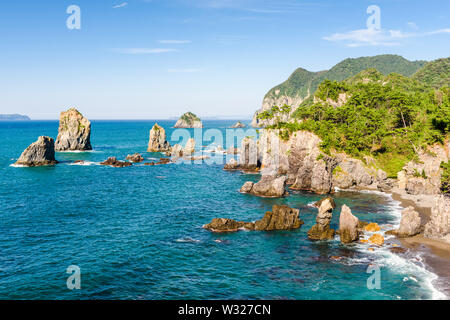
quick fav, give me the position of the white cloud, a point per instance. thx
(183, 70)
(174, 41)
(412, 25)
(124, 4)
(144, 50)
(372, 37)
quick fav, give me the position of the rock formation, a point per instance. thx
(280, 218)
(348, 225)
(189, 120)
(176, 151)
(372, 227)
(319, 203)
(39, 153)
(74, 132)
(409, 224)
(377, 239)
(190, 147)
(268, 187)
(321, 230)
(113, 162)
(248, 160)
(135, 157)
(238, 125)
(157, 141)
(439, 225)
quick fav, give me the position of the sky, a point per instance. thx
(155, 59)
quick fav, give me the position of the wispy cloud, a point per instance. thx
(144, 50)
(413, 25)
(123, 4)
(174, 41)
(372, 37)
(183, 70)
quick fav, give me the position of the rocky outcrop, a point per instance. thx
(113, 162)
(176, 151)
(248, 159)
(267, 187)
(74, 132)
(189, 120)
(321, 230)
(135, 157)
(348, 225)
(439, 225)
(424, 176)
(372, 227)
(39, 153)
(331, 200)
(190, 147)
(280, 218)
(409, 224)
(351, 172)
(377, 239)
(238, 125)
(157, 141)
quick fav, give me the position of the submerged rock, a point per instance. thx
(348, 225)
(74, 132)
(113, 162)
(321, 230)
(189, 120)
(39, 153)
(439, 225)
(268, 186)
(157, 141)
(135, 157)
(280, 218)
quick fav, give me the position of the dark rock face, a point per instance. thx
(39, 153)
(268, 187)
(321, 230)
(280, 218)
(348, 225)
(74, 132)
(113, 162)
(135, 158)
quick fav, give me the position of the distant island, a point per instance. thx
(14, 117)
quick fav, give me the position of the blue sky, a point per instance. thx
(147, 59)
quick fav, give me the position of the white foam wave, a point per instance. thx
(17, 165)
(84, 163)
(187, 240)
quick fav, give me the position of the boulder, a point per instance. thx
(348, 225)
(113, 162)
(39, 153)
(372, 227)
(74, 132)
(157, 141)
(439, 225)
(321, 230)
(409, 224)
(190, 147)
(135, 157)
(163, 161)
(377, 239)
(280, 218)
(319, 203)
(176, 151)
(386, 185)
(268, 187)
(189, 120)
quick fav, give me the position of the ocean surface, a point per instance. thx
(136, 232)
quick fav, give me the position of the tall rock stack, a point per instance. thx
(348, 225)
(157, 141)
(321, 230)
(39, 153)
(74, 133)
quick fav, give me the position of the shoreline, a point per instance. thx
(436, 253)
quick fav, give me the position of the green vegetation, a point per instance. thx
(445, 179)
(435, 73)
(302, 81)
(189, 118)
(270, 114)
(387, 117)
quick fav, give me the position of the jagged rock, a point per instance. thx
(439, 225)
(135, 157)
(231, 165)
(315, 175)
(386, 185)
(74, 132)
(409, 224)
(238, 125)
(223, 225)
(39, 153)
(113, 162)
(372, 227)
(268, 186)
(157, 141)
(248, 160)
(351, 172)
(190, 147)
(377, 239)
(348, 225)
(189, 120)
(176, 151)
(319, 203)
(321, 230)
(281, 218)
(163, 161)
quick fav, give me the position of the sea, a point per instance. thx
(86, 231)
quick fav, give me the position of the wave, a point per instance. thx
(187, 240)
(17, 165)
(84, 163)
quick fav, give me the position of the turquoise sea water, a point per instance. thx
(136, 232)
